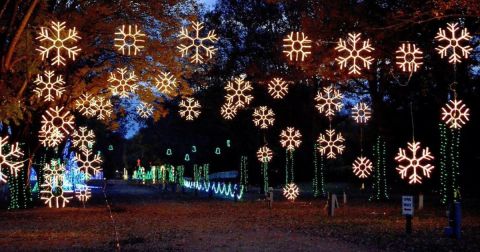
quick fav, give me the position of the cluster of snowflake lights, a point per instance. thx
(263, 117)
(166, 83)
(362, 167)
(361, 113)
(453, 43)
(409, 57)
(290, 138)
(197, 43)
(123, 84)
(129, 40)
(329, 101)
(291, 191)
(145, 110)
(9, 158)
(331, 144)
(297, 45)
(49, 89)
(189, 109)
(412, 165)
(455, 114)
(52, 191)
(278, 88)
(83, 139)
(356, 56)
(238, 92)
(57, 123)
(58, 41)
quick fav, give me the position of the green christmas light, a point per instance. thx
(194, 149)
(379, 185)
(169, 152)
(217, 151)
(187, 157)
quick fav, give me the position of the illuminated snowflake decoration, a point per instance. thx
(263, 117)
(166, 83)
(455, 114)
(297, 44)
(103, 108)
(454, 46)
(362, 167)
(124, 84)
(228, 111)
(57, 123)
(291, 191)
(9, 158)
(238, 92)
(53, 171)
(329, 101)
(290, 138)
(53, 194)
(83, 193)
(83, 138)
(264, 154)
(409, 57)
(331, 144)
(88, 162)
(49, 89)
(197, 43)
(129, 39)
(355, 53)
(413, 163)
(361, 113)
(277, 88)
(189, 109)
(58, 41)
(145, 110)
(86, 105)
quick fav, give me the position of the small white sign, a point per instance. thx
(407, 205)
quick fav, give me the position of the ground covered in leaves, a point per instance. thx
(146, 219)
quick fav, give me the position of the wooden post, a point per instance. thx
(420, 201)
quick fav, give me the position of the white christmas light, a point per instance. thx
(331, 144)
(124, 84)
(129, 39)
(228, 111)
(291, 191)
(455, 114)
(356, 54)
(189, 108)
(238, 92)
(290, 138)
(88, 162)
(362, 167)
(277, 88)
(454, 44)
(145, 110)
(103, 108)
(85, 104)
(49, 89)
(263, 117)
(264, 154)
(409, 57)
(196, 43)
(58, 41)
(329, 101)
(414, 163)
(361, 113)
(9, 158)
(83, 193)
(83, 138)
(297, 44)
(57, 123)
(166, 83)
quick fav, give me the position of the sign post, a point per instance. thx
(407, 210)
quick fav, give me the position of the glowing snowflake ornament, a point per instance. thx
(454, 46)
(166, 83)
(264, 154)
(362, 167)
(196, 43)
(361, 113)
(58, 41)
(88, 162)
(145, 110)
(455, 114)
(129, 39)
(331, 144)
(83, 193)
(53, 194)
(238, 92)
(329, 101)
(409, 57)
(189, 109)
(56, 124)
(228, 111)
(83, 138)
(103, 108)
(355, 53)
(291, 191)
(124, 84)
(413, 163)
(297, 44)
(86, 105)
(49, 89)
(277, 88)
(290, 138)
(9, 158)
(53, 171)
(263, 117)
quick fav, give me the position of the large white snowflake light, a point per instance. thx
(85, 104)
(331, 144)
(362, 167)
(297, 44)
(238, 92)
(291, 191)
(124, 84)
(83, 138)
(83, 193)
(189, 109)
(145, 110)
(57, 123)
(455, 114)
(413, 162)
(88, 162)
(58, 40)
(103, 108)
(361, 113)
(49, 89)
(228, 111)
(128, 40)
(356, 54)
(166, 83)
(454, 46)
(9, 158)
(290, 138)
(277, 88)
(196, 43)
(329, 101)
(409, 57)
(263, 117)
(264, 154)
